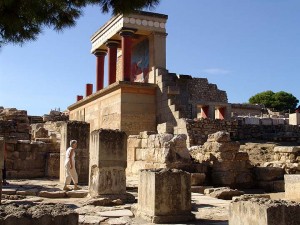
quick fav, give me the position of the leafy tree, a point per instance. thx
(279, 101)
(23, 20)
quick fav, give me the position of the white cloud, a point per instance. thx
(216, 71)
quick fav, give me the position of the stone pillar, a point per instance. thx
(88, 90)
(292, 186)
(2, 146)
(80, 131)
(164, 196)
(79, 97)
(211, 112)
(112, 47)
(100, 54)
(126, 35)
(157, 50)
(108, 155)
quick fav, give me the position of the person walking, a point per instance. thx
(71, 173)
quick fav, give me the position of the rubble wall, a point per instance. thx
(151, 151)
(198, 131)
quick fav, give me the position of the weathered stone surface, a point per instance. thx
(53, 165)
(197, 178)
(125, 220)
(52, 194)
(287, 149)
(29, 192)
(262, 211)
(107, 162)
(90, 220)
(268, 173)
(116, 213)
(77, 194)
(165, 128)
(220, 136)
(164, 196)
(223, 193)
(27, 213)
(9, 191)
(292, 186)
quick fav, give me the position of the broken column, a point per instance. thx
(164, 196)
(80, 131)
(107, 162)
(292, 186)
(263, 211)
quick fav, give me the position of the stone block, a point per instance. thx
(292, 186)
(108, 155)
(263, 211)
(220, 136)
(52, 169)
(164, 196)
(287, 149)
(268, 173)
(223, 193)
(52, 194)
(197, 179)
(165, 128)
(77, 194)
(80, 131)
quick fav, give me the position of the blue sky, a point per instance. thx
(243, 46)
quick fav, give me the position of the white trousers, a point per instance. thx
(71, 174)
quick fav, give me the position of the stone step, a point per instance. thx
(177, 114)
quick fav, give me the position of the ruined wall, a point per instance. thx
(246, 109)
(29, 160)
(229, 166)
(14, 124)
(134, 101)
(179, 95)
(198, 131)
(150, 151)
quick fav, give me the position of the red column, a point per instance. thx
(204, 112)
(112, 47)
(88, 89)
(79, 97)
(126, 53)
(222, 113)
(100, 54)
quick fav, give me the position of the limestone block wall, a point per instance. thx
(14, 124)
(198, 131)
(292, 186)
(229, 167)
(103, 110)
(29, 160)
(246, 109)
(80, 131)
(150, 151)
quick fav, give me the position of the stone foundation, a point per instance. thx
(263, 211)
(292, 186)
(164, 196)
(80, 131)
(107, 163)
(29, 213)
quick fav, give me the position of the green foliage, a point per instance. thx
(280, 101)
(23, 20)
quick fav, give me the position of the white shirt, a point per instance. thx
(67, 161)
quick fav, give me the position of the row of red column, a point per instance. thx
(112, 47)
(111, 51)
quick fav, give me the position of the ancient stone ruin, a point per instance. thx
(171, 144)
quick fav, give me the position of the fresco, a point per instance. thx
(140, 62)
